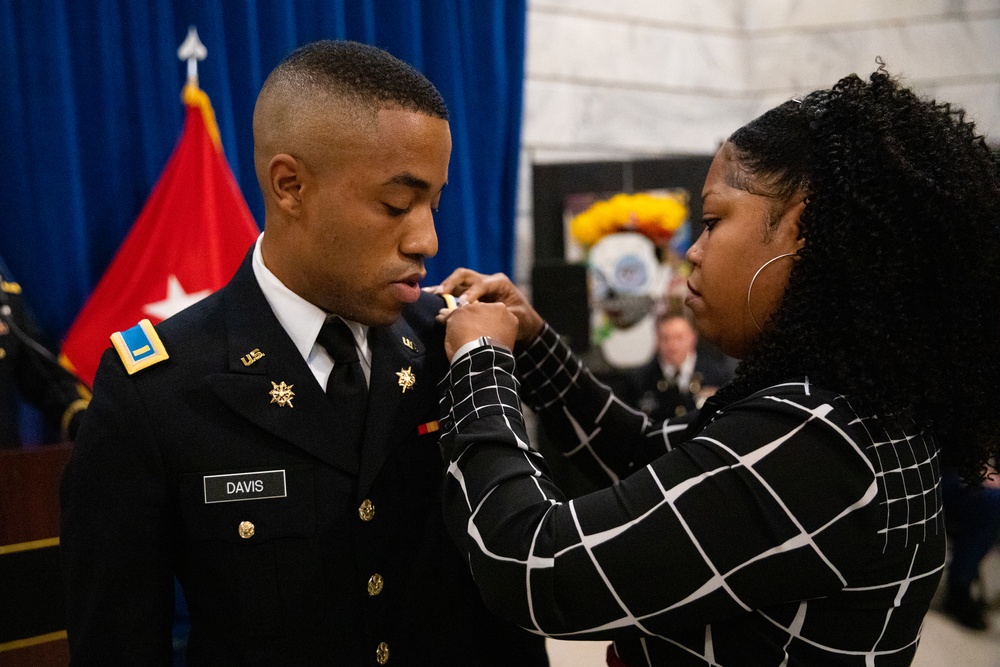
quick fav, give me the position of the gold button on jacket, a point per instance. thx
(382, 653)
(366, 510)
(375, 584)
(246, 529)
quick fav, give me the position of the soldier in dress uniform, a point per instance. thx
(682, 374)
(304, 525)
(29, 370)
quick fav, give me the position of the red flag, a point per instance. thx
(187, 242)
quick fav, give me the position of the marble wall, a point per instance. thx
(631, 78)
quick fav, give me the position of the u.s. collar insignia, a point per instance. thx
(282, 394)
(406, 378)
(139, 347)
(409, 343)
(252, 356)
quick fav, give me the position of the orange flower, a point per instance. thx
(655, 216)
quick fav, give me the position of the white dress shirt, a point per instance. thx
(684, 373)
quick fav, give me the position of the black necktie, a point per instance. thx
(346, 388)
(672, 377)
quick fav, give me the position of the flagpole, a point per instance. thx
(192, 50)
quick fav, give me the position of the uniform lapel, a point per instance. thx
(305, 421)
(392, 412)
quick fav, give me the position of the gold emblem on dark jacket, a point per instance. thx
(282, 394)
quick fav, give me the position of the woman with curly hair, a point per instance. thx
(851, 259)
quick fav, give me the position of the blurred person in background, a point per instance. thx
(30, 371)
(973, 518)
(683, 373)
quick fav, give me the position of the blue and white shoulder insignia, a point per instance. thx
(139, 347)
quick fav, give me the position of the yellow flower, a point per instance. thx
(654, 216)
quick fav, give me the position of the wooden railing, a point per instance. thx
(32, 629)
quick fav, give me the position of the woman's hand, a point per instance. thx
(469, 322)
(473, 287)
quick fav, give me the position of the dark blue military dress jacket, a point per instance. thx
(221, 465)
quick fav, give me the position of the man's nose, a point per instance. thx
(420, 238)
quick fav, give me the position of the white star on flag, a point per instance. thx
(176, 301)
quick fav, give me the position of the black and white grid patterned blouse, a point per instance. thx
(788, 530)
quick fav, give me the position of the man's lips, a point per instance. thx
(412, 279)
(693, 290)
(407, 288)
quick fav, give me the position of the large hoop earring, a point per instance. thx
(750, 289)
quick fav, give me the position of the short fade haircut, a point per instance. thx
(364, 75)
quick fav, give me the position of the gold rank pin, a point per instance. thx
(139, 347)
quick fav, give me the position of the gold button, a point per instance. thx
(375, 584)
(246, 529)
(367, 510)
(382, 653)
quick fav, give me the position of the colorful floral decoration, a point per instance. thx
(654, 216)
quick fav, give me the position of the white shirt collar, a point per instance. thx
(684, 373)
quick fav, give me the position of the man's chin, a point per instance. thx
(380, 316)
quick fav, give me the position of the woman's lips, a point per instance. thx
(693, 297)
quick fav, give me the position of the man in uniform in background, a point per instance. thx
(681, 375)
(29, 370)
(304, 525)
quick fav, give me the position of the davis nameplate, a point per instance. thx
(245, 486)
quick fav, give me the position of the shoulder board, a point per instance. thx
(10, 288)
(139, 347)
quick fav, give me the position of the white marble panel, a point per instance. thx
(567, 116)
(772, 99)
(797, 14)
(524, 249)
(981, 102)
(550, 155)
(585, 48)
(702, 14)
(920, 51)
(524, 204)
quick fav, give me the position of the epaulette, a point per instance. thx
(10, 288)
(139, 347)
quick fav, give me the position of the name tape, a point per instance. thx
(245, 486)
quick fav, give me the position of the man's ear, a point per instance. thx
(285, 183)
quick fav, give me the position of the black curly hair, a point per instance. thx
(370, 76)
(894, 300)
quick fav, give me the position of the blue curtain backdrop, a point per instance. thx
(91, 112)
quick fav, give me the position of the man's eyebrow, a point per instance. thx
(409, 180)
